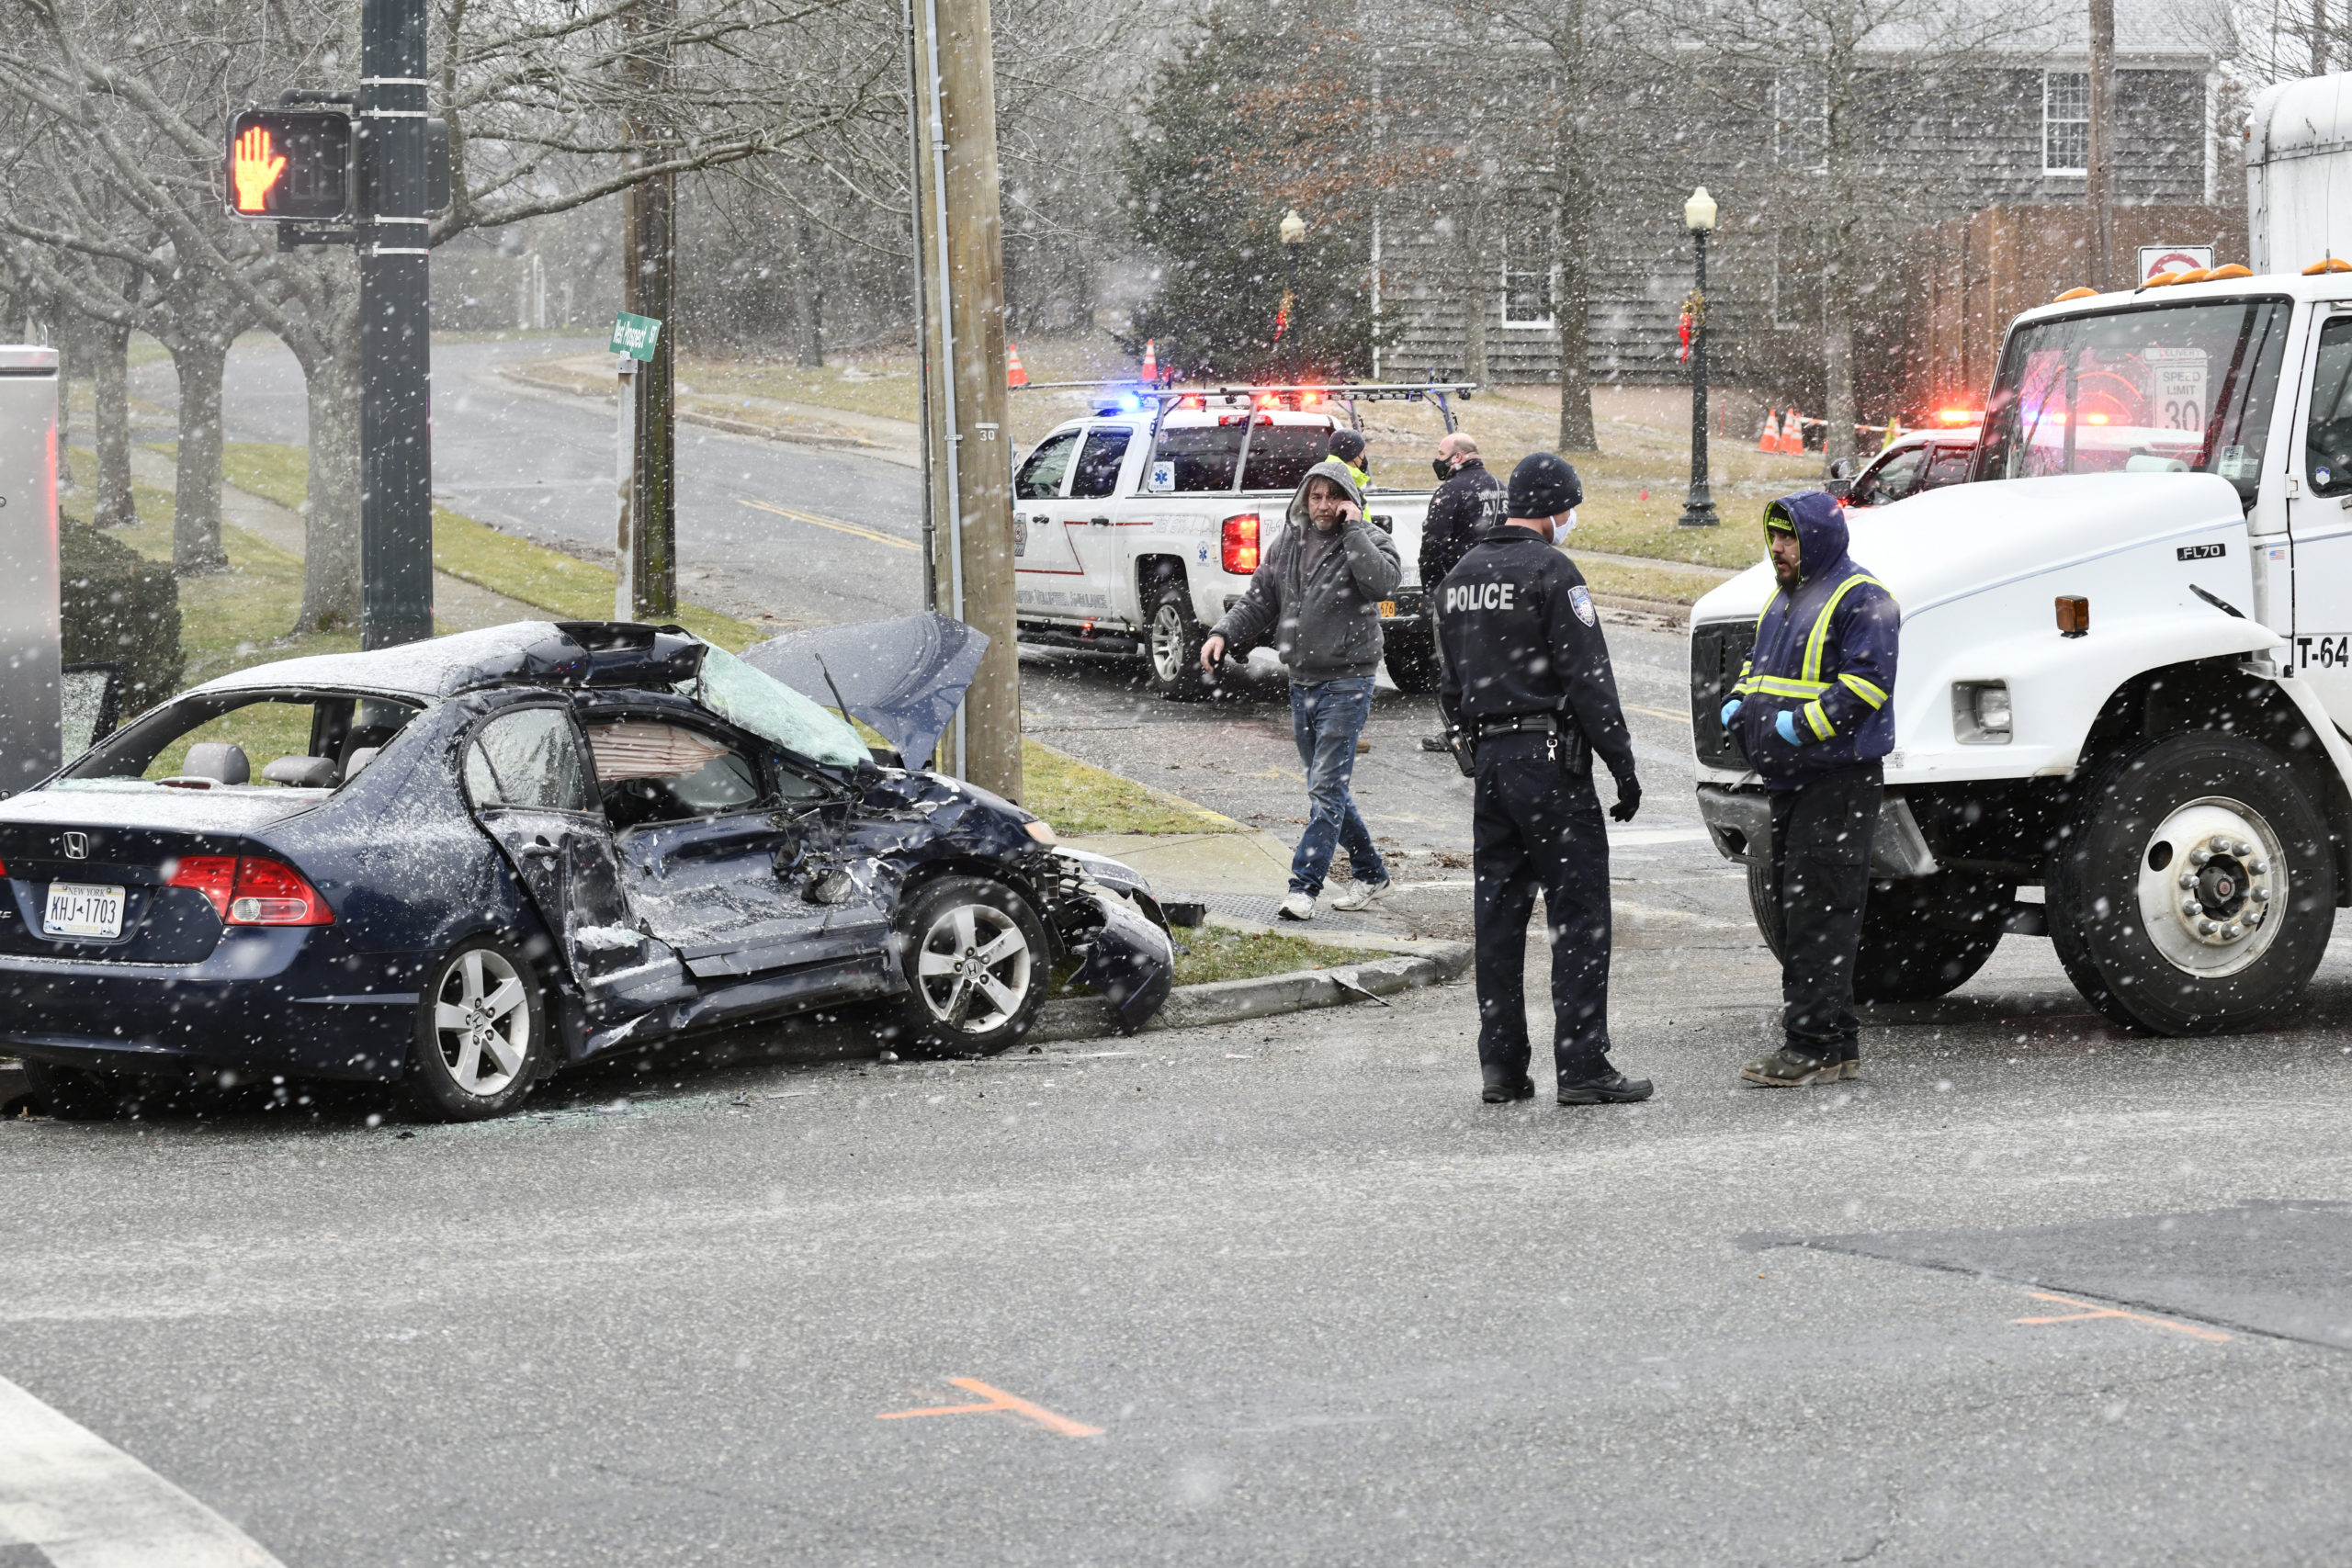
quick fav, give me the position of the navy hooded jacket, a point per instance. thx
(1824, 653)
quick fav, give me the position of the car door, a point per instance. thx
(1089, 519)
(527, 779)
(1043, 561)
(2319, 523)
(714, 853)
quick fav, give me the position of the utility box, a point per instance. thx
(29, 615)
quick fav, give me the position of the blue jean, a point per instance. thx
(1325, 719)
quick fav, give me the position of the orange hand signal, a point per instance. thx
(255, 169)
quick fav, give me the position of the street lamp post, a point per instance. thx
(1699, 507)
(1294, 232)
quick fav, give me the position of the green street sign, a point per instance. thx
(636, 336)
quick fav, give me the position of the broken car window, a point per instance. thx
(530, 760)
(773, 711)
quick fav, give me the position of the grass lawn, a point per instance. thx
(1081, 800)
(1215, 953)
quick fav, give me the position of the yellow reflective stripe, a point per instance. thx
(1820, 638)
(1863, 689)
(1782, 686)
(1814, 715)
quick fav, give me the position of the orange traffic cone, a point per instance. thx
(1013, 375)
(1771, 440)
(1792, 434)
(1150, 361)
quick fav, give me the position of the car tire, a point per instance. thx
(1171, 642)
(77, 1094)
(481, 1032)
(1413, 658)
(1922, 938)
(2232, 815)
(978, 968)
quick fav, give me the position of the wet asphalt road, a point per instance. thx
(2033, 1291)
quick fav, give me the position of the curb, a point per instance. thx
(1229, 1001)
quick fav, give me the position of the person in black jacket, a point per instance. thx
(1528, 684)
(1468, 502)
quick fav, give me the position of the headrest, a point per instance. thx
(219, 760)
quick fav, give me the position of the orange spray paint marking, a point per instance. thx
(999, 1401)
(2093, 1310)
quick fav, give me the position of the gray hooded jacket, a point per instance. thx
(1326, 622)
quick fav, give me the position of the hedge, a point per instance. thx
(120, 608)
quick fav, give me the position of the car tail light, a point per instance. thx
(252, 890)
(1240, 544)
(215, 877)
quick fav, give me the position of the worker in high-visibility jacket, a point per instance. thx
(1814, 711)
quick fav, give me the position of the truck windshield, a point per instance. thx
(2167, 388)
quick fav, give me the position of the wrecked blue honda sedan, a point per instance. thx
(461, 866)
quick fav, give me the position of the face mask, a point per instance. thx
(1564, 526)
(1444, 467)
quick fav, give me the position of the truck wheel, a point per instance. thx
(1172, 640)
(1413, 660)
(2196, 890)
(1921, 938)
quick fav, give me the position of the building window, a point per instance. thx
(1800, 123)
(1527, 274)
(2065, 122)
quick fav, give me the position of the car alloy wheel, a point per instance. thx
(973, 968)
(1170, 638)
(481, 1032)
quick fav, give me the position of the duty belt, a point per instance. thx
(1519, 723)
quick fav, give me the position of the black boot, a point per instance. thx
(1787, 1068)
(1613, 1087)
(1504, 1093)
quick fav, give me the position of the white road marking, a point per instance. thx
(86, 1504)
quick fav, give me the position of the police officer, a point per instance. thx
(1814, 713)
(1468, 502)
(1527, 685)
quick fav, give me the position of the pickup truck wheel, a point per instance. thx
(978, 968)
(1172, 640)
(1921, 938)
(2196, 890)
(1413, 658)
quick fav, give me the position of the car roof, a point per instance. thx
(547, 653)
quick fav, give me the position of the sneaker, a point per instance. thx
(1360, 895)
(1504, 1093)
(1615, 1088)
(1785, 1068)
(1297, 906)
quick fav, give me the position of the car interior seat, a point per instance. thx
(223, 761)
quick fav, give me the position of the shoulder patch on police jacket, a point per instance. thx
(1581, 603)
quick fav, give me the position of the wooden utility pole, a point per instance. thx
(970, 458)
(649, 287)
(2099, 191)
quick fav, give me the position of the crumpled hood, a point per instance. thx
(905, 677)
(1328, 468)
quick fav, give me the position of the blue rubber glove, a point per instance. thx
(1786, 722)
(1731, 710)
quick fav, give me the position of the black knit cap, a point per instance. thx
(1544, 485)
(1346, 444)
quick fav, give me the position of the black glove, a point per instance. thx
(1629, 799)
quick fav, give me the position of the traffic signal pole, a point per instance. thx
(395, 329)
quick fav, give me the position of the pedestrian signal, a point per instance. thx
(289, 164)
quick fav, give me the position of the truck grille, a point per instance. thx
(1717, 651)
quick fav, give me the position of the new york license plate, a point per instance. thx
(81, 909)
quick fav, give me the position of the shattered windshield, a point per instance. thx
(2169, 389)
(773, 711)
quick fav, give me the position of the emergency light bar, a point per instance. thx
(1132, 396)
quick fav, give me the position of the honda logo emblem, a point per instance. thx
(77, 846)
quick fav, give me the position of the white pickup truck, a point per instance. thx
(2126, 665)
(1135, 529)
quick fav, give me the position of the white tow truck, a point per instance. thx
(2126, 665)
(1136, 528)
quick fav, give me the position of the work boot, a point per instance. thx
(1436, 743)
(1611, 1088)
(1785, 1068)
(1504, 1093)
(1850, 1066)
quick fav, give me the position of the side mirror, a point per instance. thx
(1841, 470)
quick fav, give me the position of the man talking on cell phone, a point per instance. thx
(1529, 690)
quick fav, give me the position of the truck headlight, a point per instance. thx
(1980, 712)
